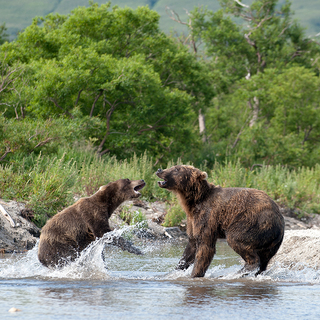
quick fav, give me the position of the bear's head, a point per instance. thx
(180, 178)
(123, 189)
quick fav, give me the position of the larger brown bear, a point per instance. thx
(248, 218)
(69, 232)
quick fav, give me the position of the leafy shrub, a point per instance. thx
(133, 218)
(175, 215)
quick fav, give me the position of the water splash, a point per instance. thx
(158, 263)
(89, 265)
(277, 273)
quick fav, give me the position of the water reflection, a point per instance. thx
(148, 287)
(74, 293)
(229, 291)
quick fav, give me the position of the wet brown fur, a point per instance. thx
(248, 218)
(70, 231)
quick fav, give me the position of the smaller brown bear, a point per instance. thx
(70, 231)
(248, 218)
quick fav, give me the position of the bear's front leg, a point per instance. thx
(188, 255)
(203, 259)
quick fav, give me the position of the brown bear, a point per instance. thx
(70, 231)
(248, 218)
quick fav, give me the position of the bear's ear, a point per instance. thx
(203, 175)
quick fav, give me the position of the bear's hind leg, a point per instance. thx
(249, 255)
(252, 261)
(56, 255)
(266, 255)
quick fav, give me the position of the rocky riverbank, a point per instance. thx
(18, 234)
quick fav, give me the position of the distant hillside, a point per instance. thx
(18, 14)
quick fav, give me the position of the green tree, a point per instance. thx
(3, 35)
(287, 129)
(263, 37)
(116, 65)
(241, 42)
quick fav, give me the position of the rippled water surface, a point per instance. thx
(125, 286)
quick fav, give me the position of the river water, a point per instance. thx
(126, 286)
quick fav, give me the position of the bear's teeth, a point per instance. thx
(139, 187)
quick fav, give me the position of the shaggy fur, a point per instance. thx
(69, 232)
(248, 218)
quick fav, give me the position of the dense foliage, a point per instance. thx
(121, 83)
(267, 80)
(111, 67)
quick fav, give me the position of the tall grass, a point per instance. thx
(298, 188)
(47, 184)
(44, 183)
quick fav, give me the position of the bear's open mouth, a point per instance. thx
(139, 187)
(162, 184)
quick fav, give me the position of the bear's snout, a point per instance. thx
(159, 170)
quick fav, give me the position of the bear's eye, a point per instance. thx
(128, 180)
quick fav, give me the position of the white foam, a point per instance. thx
(153, 266)
(89, 265)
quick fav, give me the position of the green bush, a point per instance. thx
(133, 218)
(175, 215)
(294, 188)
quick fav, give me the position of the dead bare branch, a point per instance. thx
(175, 17)
(282, 32)
(42, 143)
(95, 101)
(307, 134)
(241, 4)
(315, 61)
(158, 160)
(6, 81)
(78, 97)
(108, 116)
(246, 36)
(266, 18)
(158, 142)
(255, 111)
(296, 54)
(153, 128)
(104, 152)
(8, 150)
(7, 216)
(255, 165)
(58, 106)
(239, 134)
(202, 125)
